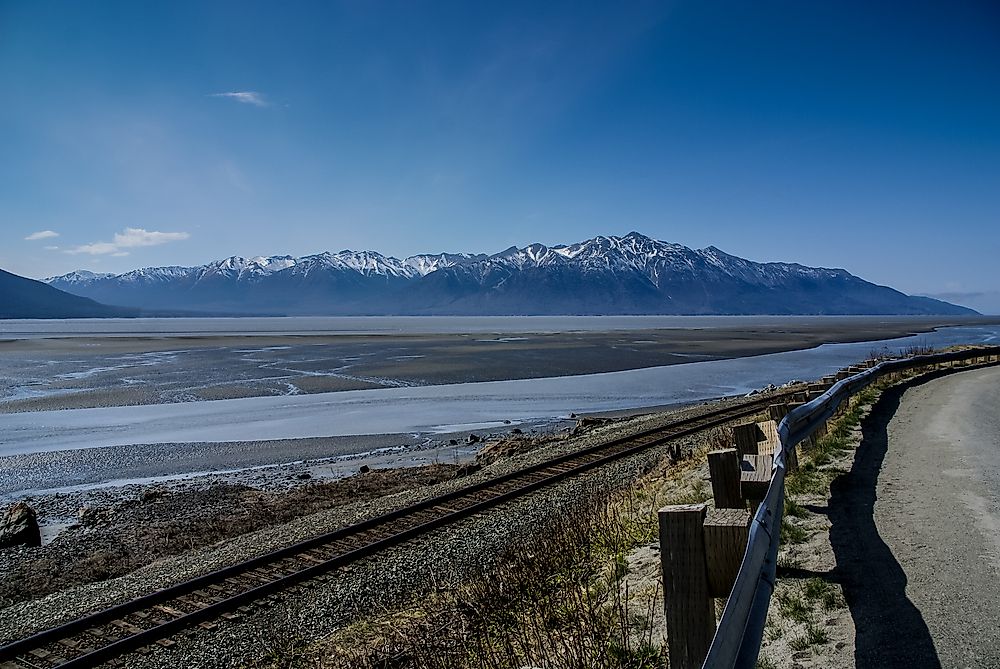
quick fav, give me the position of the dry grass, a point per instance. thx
(558, 603)
(569, 598)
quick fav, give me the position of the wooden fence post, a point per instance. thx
(791, 459)
(688, 605)
(755, 477)
(724, 469)
(727, 532)
(746, 437)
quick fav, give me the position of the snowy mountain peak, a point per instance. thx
(153, 274)
(79, 276)
(366, 263)
(426, 263)
(256, 266)
(632, 274)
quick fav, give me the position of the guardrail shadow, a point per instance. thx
(890, 630)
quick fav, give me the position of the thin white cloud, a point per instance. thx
(127, 239)
(41, 234)
(132, 237)
(246, 97)
(95, 249)
(51, 248)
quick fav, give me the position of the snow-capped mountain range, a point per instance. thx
(633, 274)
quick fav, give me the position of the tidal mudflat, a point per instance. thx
(408, 407)
(69, 365)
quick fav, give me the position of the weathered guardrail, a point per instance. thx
(738, 637)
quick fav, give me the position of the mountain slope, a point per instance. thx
(26, 298)
(633, 274)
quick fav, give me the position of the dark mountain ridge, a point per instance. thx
(633, 274)
(26, 298)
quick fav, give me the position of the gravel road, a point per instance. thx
(918, 528)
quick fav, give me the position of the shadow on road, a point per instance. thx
(891, 631)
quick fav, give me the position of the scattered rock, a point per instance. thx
(586, 422)
(506, 422)
(516, 430)
(19, 527)
(572, 415)
(472, 439)
(303, 476)
(453, 442)
(152, 494)
(364, 469)
(468, 469)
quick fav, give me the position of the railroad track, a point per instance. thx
(213, 598)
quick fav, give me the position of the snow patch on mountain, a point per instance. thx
(426, 263)
(79, 276)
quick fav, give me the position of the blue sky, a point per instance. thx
(858, 135)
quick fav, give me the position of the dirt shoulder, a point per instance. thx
(933, 541)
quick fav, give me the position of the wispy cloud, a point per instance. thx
(129, 238)
(41, 234)
(132, 237)
(246, 97)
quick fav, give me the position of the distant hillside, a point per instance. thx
(27, 298)
(605, 275)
